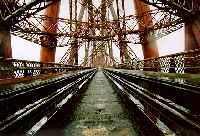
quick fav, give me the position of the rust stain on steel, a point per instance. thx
(149, 45)
(47, 54)
(192, 35)
(5, 44)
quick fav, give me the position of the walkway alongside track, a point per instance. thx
(99, 113)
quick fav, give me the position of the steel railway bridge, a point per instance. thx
(100, 95)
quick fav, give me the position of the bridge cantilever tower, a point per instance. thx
(97, 28)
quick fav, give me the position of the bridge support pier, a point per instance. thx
(5, 43)
(73, 59)
(5, 50)
(192, 42)
(47, 53)
(192, 34)
(148, 41)
(122, 47)
(149, 45)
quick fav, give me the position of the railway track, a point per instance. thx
(168, 106)
(155, 106)
(26, 109)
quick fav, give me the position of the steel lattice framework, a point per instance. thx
(182, 8)
(14, 11)
(101, 31)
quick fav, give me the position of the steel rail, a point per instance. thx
(168, 111)
(182, 96)
(164, 82)
(36, 127)
(52, 101)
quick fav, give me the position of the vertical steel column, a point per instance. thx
(92, 30)
(101, 55)
(122, 46)
(73, 60)
(192, 27)
(5, 42)
(5, 50)
(192, 34)
(47, 54)
(5, 36)
(149, 45)
(110, 52)
(76, 50)
(192, 42)
(87, 44)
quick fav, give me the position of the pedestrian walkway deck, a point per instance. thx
(99, 113)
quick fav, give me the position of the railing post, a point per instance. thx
(172, 65)
(191, 62)
(157, 65)
(41, 68)
(197, 61)
(25, 69)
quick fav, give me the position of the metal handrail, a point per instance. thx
(14, 68)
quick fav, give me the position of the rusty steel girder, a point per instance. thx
(99, 30)
(182, 8)
(14, 11)
(31, 29)
(192, 34)
(47, 54)
(149, 44)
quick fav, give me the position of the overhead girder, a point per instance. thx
(75, 20)
(98, 58)
(189, 11)
(31, 29)
(91, 19)
(13, 11)
(87, 32)
(182, 8)
(110, 60)
(97, 14)
(84, 4)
